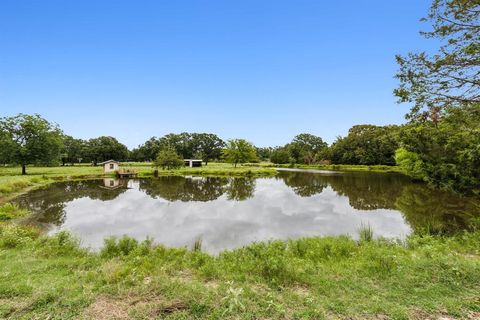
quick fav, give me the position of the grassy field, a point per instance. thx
(13, 183)
(313, 278)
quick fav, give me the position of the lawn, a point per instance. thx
(313, 278)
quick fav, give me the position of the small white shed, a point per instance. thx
(110, 166)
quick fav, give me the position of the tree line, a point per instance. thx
(440, 144)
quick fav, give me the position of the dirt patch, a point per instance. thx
(422, 315)
(132, 306)
(106, 307)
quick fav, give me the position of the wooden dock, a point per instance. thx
(127, 173)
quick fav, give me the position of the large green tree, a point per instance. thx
(239, 151)
(451, 75)
(306, 147)
(29, 139)
(73, 150)
(446, 154)
(206, 146)
(367, 145)
(105, 148)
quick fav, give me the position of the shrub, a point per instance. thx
(168, 159)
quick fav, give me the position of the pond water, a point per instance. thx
(227, 213)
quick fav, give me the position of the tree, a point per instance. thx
(168, 159)
(106, 148)
(367, 145)
(29, 139)
(182, 143)
(451, 76)
(264, 153)
(207, 145)
(148, 151)
(73, 150)
(239, 151)
(280, 156)
(446, 154)
(305, 147)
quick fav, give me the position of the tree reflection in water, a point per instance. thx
(48, 204)
(423, 208)
(184, 188)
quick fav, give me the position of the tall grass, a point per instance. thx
(365, 233)
(309, 278)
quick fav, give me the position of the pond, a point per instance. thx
(227, 213)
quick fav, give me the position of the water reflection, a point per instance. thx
(230, 212)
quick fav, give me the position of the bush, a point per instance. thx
(168, 159)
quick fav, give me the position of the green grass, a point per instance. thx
(336, 167)
(311, 278)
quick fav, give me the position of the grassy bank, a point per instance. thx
(336, 167)
(312, 278)
(12, 183)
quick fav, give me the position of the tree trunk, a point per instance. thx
(24, 169)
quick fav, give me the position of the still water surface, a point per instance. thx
(228, 213)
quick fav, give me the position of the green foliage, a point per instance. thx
(105, 148)
(73, 150)
(10, 211)
(449, 77)
(366, 145)
(305, 148)
(205, 146)
(366, 233)
(239, 151)
(409, 162)
(168, 159)
(446, 154)
(281, 156)
(114, 247)
(27, 139)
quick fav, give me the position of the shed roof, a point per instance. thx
(108, 161)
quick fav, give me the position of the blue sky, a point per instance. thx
(255, 69)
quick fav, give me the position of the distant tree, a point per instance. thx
(304, 147)
(239, 151)
(73, 150)
(280, 156)
(105, 148)
(264, 153)
(149, 150)
(168, 159)
(182, 143)
(367, 145)
(207, 146)
(29, 139)
(451, 76)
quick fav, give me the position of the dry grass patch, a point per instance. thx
(131, 306)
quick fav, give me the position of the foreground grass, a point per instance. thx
(313, 278)
(12, 183)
